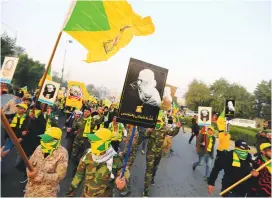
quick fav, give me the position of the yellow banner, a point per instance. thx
(75, 94)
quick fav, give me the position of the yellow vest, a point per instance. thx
(15, 120)
(118, 135)
(87, 128)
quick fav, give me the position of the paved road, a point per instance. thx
(174, 178)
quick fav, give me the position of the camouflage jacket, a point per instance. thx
(51, 170)
(97, 177)
(157, 136)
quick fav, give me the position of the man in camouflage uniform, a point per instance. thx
(83, 127)
(154, 149)
(50, 162)
(100, 166)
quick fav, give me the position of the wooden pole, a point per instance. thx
(48, 67)
(245, 178)
(15, 140)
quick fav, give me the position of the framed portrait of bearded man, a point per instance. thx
(142, 94)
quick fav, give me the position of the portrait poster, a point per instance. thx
(204, 116)
(49, 92)
(230, 108)
(142, 94)
(75, 94)
(168, 95)
(8, 69)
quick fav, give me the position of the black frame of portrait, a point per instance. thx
(161, 82)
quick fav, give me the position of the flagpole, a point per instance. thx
(15, 140)
(48, 67)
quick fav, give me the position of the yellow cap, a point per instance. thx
(264, 146)
(22, 105)
(210, 127)
(52, 133)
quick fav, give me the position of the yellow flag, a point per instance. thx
(221, 122)
(103, 27)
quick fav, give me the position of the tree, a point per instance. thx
(198, 94)
(92, 90)
(263, 99)
(28, 72)
(8, 46)
(219, 91)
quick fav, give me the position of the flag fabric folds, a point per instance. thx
(103, 27)
(221, 122)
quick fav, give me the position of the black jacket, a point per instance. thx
(261, 185)
(232, 174)
(195, 129)
(31, 140)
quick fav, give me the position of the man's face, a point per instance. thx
(8, 65)
(210, 132)
(100, 110)
(267, 153)
(49, 110)
(50, 88)
(20, 110)
(106, 109)
(77, 116)
(114, 119)
(230, 104)
(86, 113)
(204, 113)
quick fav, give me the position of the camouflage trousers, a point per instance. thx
(79, 146)
(152, 162)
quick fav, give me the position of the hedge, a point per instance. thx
(236, 132)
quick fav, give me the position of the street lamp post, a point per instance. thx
(62, 70)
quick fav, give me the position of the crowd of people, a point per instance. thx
(93, 140)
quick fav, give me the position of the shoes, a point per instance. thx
(143, 152)
(171, 150)
(145, 195)
(152, 182)
(125, 194)
(24, 180)
(189, 142)
(193, 167)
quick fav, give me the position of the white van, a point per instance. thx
(243, 123)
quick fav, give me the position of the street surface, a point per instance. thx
(175, 176)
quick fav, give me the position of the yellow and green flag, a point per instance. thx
(103, 27)
(175, 108)
(221, 122)
(24, 89)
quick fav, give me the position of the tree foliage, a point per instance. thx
(198, 95)
(28, 71)
(263, 99)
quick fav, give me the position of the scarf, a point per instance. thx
(237, 155)
(87, 128)
(268, 166)
(49, 147)
(107, 157)
(209, 148)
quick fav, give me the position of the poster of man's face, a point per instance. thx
(168, 94)
(49, 92)
(230, 108)
(204, 116)
(8, 69)
(142, 93)
(75, 91)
